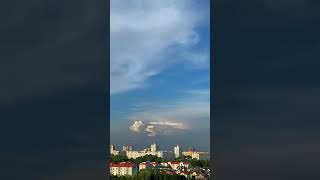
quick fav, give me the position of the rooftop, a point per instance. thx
(122, 164)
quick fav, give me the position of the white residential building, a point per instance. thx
(197, 155)
(166, 155)
(175, 165)
(154, 147)
(123, 168)
(127, 148)
(136, 154)
(144, 165)
(147, 165)
(118, 153)
(111, 148)
(165, 164)
(115, 152)
(176, 150)
(201, 155)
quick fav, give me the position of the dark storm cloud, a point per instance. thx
(267, 89)
(54, 79)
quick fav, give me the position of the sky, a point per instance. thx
(160, 73)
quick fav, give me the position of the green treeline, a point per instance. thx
(151, 158)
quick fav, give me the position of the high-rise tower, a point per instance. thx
(176, 151)
(153, 147)
(111, 148)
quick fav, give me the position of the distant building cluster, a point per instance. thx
(153, 150)
(127, 148)
(196, 154)
(115, 152)
(169, 166)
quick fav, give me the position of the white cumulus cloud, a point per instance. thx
(136, 126)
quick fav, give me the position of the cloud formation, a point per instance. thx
(144, 36)
(154, 128)
(136, 126)
(150, 129)
(164, 128)
(191, 110)
(167, 119)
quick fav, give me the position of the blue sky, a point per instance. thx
(160, 73)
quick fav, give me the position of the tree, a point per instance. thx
(117, 158)
(144, 174)
(187, 157)
(150, 158)
(199, 163)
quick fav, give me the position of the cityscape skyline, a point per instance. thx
(131, 148)
(175, 153)
(160, 73)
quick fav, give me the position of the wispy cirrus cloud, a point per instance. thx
(144, 36)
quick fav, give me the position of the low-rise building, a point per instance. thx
(123, 168)
(166, 155)
(118, 153)
(145, 165)
(164, 164)
(175, 164)
(197, 155)
(184, 173)
(186, 164)
(136, 154)
(154, 164)
(200, 155)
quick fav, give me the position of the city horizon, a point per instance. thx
(182, 148)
